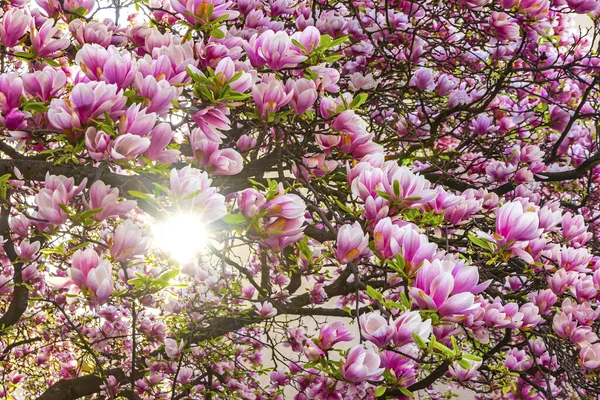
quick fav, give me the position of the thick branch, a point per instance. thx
(69, 389)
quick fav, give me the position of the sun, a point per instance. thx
(182, 237)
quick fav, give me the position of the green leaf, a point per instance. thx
(234, 219)
(480, 242)
(444, 349)
(464, 364)
(140, 195)
(217, 34)
(89, 213)
(419, 341)
(167, 276)
(380, 391)
(407, 393)
(358, 101)
(471, 357)
(374, 294)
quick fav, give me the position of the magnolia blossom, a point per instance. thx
(104, 197)
(91, 272)
(351, 243)
(361, 365)
(376, 329)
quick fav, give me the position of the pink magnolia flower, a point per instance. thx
(274, 49)
(463, 374)
(504, 27)
(211, 121)
(128, 241)
(535, 9)
(402, 369)
(86, 101)
(376, 329)
(97, 143)
(270, 97)
(575, 230)
(75, 5)
(44, 84)
(90, 32)
(361, 365)
(515, 225)
(15, 23)
(137, 122)
(250, 202)
(157, 94)
(28, 251)
(312, 351)
(11, 89)
(198, 12)
(352, 243)
(333, 333)
(20, 225)
(46, 41)
(285, 219)
(422, 79)
(352, 129)
(583, 6)
(160, 137)
(128, 147)
(89, 271)
(309, 38)
(172, 348)
(107, 198)
(402, 185)
(406, 324)
(59, 190)
(446, 287)
(266, 309)
(304, 94)
(192, 191)
(590, 356)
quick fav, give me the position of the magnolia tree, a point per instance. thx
(211, 199)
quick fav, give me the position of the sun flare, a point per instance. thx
(182, 237)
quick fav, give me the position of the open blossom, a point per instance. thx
(464, 374)
(404, 186)
(352, 243)
(90, 32)
(266, 309)
(447, 286)
(375, 329)
(106, 198)
(361, 365)
(59, 190)
(270, 97)
(191, 189)
(86, 101)
(172, 348)
(91, 272)
(273, 49)
(250, 202)
(14, 25)
(333, 333)
(128, 147)
(515, 227)
(408, 323)
(45, 41)
(196, 12)
(109, 65)
(590, 356)
(128, 241)
(44, 84)
(284, 221)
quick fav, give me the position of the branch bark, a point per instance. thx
(69, 389)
